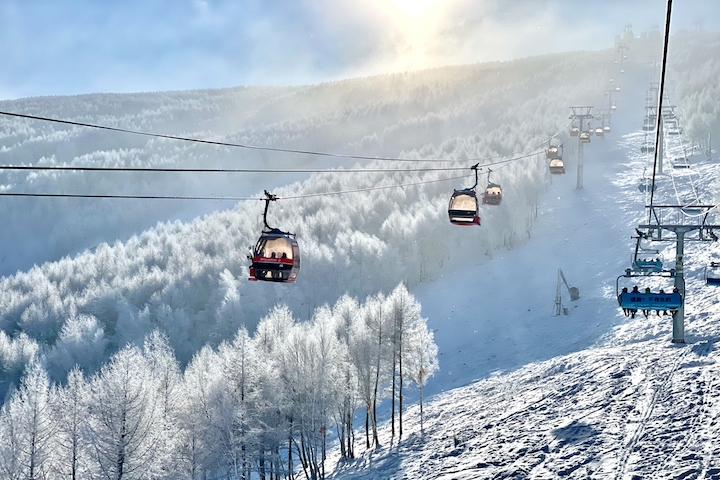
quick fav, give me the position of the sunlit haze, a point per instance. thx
(414, 8)
(80, 46)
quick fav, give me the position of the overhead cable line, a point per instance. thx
(255, 170)
(226, 170)
(659, 115)
(369, 189)
(234, 145)
(124, 197)
(256, 147)
(234, 199)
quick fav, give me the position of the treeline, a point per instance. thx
(258, 406)
(694, 65)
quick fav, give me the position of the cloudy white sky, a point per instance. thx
(52, 47)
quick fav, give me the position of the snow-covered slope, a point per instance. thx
(553, 394)
(589, 395)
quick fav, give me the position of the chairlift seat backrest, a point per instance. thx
(650, 301)
(712, 275)
(654, 266)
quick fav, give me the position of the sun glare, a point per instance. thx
(414, 8)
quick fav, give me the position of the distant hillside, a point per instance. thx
(179, 276)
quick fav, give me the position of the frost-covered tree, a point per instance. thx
(202, 378)
(71, 458)
(28, 428)
(124, 420)
(404, 311)
(347, 314)
(421, 356)
(238, 403)
(376, 325)
(82, 343)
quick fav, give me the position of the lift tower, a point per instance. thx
(681, 221)
(582, 114)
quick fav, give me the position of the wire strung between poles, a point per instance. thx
(233, 199)
(248, 146)
(660, 105)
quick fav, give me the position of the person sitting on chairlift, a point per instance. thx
(626, 311)
(635, 289)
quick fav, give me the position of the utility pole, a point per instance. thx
(582, 114)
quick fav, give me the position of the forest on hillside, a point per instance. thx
(149, 301)
(188, 279)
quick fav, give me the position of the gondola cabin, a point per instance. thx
(712, 274)
(552, 151)
(492, 195)
(276, 258)
(606, 129)
(585, 136)
(599, 132)
(614, 107)
(557, 166)
(463, 208)
(574, 131)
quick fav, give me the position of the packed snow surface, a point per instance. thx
(589, 395)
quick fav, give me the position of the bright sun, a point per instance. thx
(414, 8)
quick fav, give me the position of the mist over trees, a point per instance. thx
(187, 279)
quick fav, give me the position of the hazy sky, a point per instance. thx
(52, 47)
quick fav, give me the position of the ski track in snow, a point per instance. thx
(522, 394)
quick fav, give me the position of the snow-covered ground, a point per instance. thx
(524, 394)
